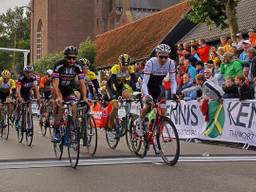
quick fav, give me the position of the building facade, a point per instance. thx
(58, 23)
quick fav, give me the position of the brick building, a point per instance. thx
(58, 23)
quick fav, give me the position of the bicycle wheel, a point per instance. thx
(139, 144)
(90, 138)
(111, 133)
(73, 142)
(29, 129)
(21, 124)
(129, 133)
(50, 123)
(42, 123)
(6, 126)
(168, 141)
(58, 148)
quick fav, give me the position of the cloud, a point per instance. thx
(6, 4)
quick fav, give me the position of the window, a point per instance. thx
(38, 40)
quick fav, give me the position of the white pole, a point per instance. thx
(25, 54)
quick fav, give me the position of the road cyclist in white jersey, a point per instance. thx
(156, 69)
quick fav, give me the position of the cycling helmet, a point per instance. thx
(163, 48)
(6, 74)
(70, 50)
(49, 72)
(85, 61)
(124, 59)
(28, 68)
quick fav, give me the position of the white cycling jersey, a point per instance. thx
(154, 73)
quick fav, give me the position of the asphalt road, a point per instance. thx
(222, 169)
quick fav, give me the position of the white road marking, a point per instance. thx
(119, 161)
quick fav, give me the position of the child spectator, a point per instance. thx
(187, 83)
(244, 91)
(230, 89)
(199, 67)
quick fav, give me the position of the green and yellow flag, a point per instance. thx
(216, 119)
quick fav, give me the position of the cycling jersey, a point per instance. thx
(118, 77)
(46, 86)
(154, 73)
(92, 81)
(26, 84)
(67, 74)
(5, 88)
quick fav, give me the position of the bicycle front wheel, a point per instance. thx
(111, 132)
(168, 141)
(90, 138)
(29, 129)
(73, 142)
(5, 126)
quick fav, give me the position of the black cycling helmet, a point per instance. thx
(124, 59)
(70, 50)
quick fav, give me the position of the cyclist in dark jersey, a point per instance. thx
(27, 83)
(64, 75)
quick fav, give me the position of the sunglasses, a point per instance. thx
(70, 57)
(125, 64)
(163, 57)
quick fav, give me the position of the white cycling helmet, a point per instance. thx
(28, 68)
(49, 72)
(163, 48)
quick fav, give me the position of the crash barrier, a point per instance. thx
(231, 121)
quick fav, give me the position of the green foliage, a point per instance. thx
(87, 49)
(211, 12)
(47, 62)
(14, 33)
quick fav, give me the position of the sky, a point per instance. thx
(6, 4)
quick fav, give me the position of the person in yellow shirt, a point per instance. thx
(7, 85)
(225, 44)
(122, 76)
(94, 91)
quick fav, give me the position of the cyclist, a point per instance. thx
(27, 84)
(64, 74)
(45, 85)
(7, 85)
(156, 69)
(26, 87)
(91, 79)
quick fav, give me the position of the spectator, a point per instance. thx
(225, 44)
(193, 42)
(243, 56)
(199, 67)
(213, 55)
(189, 68)
(209, 76)
(252, 58)
(217, 74)
(194, 53)
(239, 42)
(187, 83)
(210, 91)
(230, 89)
(230, 67)
(179, 77)
(235, 52)
(221, 53)
(244, 90)
(203, 50)
(210, 65)
(252, 37)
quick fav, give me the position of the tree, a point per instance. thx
(221, 13)
(87, 49)
(14, 33)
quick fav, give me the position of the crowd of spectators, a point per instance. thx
(230, 66)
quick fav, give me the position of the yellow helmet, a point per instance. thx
(85, 61)
(124, 59)
(6, 73)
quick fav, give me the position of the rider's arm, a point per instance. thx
(112, 82)
(172, 77)
(96, 85)
(19, 85)
(36, 89)
(56, 83)
(147, 73)
(81, 79)
(13, 86)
